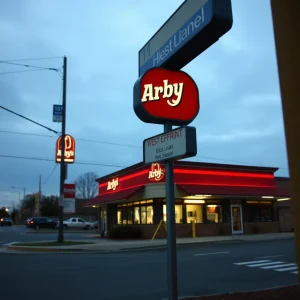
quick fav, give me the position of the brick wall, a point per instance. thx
(261, 227)
(185, 230)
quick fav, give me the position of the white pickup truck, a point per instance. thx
(77, 223)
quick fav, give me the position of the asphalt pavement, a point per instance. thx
(202, 269)
(20, 233)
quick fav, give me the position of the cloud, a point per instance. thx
(240, 116)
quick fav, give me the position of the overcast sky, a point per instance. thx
(240, 118)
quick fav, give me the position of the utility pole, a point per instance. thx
(62, 162)
(40, 196)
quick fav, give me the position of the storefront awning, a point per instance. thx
(194, 189)
(114, 196)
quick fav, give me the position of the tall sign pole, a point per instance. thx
(165, 95)
(171, 229)
(62, 162)
(286, 27)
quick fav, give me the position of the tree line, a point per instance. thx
(86, 188)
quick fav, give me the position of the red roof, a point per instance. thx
(113, 196)
(234, 190)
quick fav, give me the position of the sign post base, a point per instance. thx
(171, 229)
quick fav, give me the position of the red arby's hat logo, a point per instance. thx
(162, 95)
(156, 172)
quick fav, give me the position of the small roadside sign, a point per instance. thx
(57, 113)
(176, 144)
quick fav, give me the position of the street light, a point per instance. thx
(20, 188)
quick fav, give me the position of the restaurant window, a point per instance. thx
(124, 215)
(149, 214)
(194, 213)
(135, 213)
(178, 213)
(119, 216)
(214, 213)
(137, 219)
(259, 211)
(130, 215)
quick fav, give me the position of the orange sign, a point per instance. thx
(69, 149)
(156, 173)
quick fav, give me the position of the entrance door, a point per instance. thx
(236, 219)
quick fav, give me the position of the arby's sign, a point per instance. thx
(162, 95)
(156, 172)
(69, 156)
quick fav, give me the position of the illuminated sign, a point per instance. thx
(162, 95)
(112, 185)
(156, 173)
(176, 144)
(69, 156)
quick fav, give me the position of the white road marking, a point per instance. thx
(212, 253)
(252, 262)
(265, 264)
(295, 272)
(287, 269)
(278, 266)
(262, 257)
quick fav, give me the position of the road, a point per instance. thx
(20, 234)
(202, 269)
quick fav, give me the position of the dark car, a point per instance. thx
(41, 222)
(6, 222)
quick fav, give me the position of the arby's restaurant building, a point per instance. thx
(221, 199)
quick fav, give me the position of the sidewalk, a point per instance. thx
(107, 245)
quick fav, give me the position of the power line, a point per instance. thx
(51, 160)
(51, 173)
(42, 58)
(28, 66)
(28, 119)
(108, 143)
(25, 71)
(27, 133)
(131, 146)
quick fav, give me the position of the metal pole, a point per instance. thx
(171, 229)
(62, 162)
(286, 27)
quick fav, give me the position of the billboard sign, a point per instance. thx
(193, 27)
(69, 149)
(176, 144)
(161, 95)
(69, 198)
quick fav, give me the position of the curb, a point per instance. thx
(13, 247)
(51, 232)
(230, 293)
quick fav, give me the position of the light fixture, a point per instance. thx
(94, 206)
(196, 197)
(212, 205)
(283, 199)
(267, 197)
(194, 201)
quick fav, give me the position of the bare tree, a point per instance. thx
(86, 186)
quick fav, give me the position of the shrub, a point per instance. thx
(125, 231)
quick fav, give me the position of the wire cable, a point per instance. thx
(49, 176)
(25, 71)
(131, 146)
(42, 58)
(52, 160)
(27, 66)
(28, 119)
